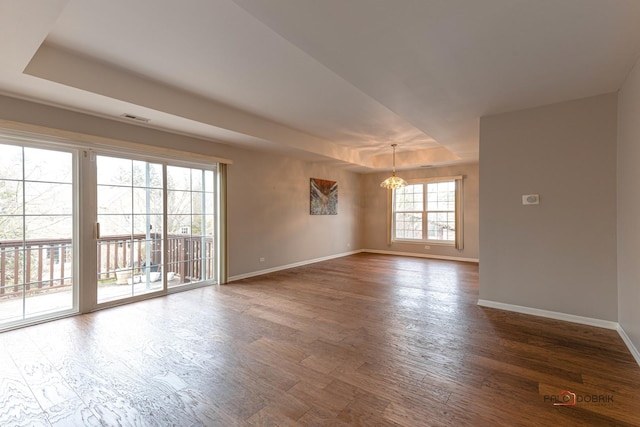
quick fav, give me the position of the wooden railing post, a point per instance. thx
(3, 269)
(108, 265)
(63, 258)
(40, 267)
(115, 255)
(27, 267)
(16, 269)
(51, 263)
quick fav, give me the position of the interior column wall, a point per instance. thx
(629, 207)
(559, 255)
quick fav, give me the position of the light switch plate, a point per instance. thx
(530, 199)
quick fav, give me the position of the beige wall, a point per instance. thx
(267, 216)
(629, 206)
(559, 255)
(269, 212)
(375, 213)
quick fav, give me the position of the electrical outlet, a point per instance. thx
(261, 259)
(427, 247)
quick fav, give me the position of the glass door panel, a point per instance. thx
(130, 214)
(36, 233)
(190, 225)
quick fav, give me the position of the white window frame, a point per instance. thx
(18, 140)
(459, 216)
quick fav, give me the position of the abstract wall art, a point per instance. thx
(323, 197)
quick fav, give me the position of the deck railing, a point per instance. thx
(37, 264)
(47, 263)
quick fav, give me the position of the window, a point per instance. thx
(428, 211)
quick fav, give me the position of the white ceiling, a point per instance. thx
(330, 79)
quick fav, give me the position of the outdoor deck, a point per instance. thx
(36, 276)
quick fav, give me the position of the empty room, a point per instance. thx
(297, 213)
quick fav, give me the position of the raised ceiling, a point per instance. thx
(328, 79)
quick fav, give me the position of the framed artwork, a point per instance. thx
(323, 196)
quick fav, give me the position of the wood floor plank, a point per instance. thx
(203, 409)
(19, 406)
(270, 417)
(320, 417)
(363, 340)
(319, 397)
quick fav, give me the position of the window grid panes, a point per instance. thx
(191, 224)
(130, 213)
(425, 212)
(36, 232)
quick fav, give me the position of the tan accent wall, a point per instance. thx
(629, 207)
(559, 255)
(375, 209)
(268, 194)
(269, 212)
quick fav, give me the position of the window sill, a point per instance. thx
(425, 242)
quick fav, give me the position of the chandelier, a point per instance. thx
(393, 181)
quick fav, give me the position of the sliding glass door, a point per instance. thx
(156, 227)
(191, 225)
(135, 255)
(37, 238)
(130, 218)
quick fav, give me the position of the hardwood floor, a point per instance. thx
(367, 340)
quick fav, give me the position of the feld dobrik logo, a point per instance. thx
(568, 398)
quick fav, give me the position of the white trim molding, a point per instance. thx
(632, 348)
(412, 254)
(607, 324)
(288, 266)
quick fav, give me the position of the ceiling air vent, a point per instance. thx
(136, 118)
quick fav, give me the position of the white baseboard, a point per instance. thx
(340, 255)
(607, 324)
(288, 266)
(632, 348)
(444, 257)
(568, 318)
